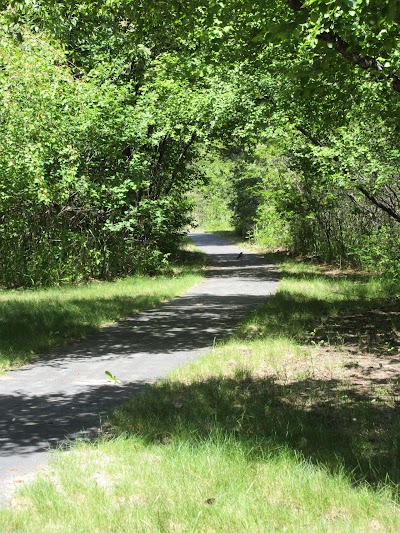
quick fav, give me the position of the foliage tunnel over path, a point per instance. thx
(113, 111)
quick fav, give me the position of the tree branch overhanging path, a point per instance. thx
(64, 395)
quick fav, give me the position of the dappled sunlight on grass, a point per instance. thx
(307, 296)
(281, 426)
(322, 419)
(34, 321)
(217, 483)
(273, 382)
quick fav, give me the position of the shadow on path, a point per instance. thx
(64, 394)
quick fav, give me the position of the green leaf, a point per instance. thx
(112, 377)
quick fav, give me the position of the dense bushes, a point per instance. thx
(297, 205)
(93, 174)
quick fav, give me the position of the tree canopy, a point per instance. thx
(112, 109)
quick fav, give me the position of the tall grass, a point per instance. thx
(214, 485)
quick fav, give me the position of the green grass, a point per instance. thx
(267, 432)
(217, 484)
(35, 321)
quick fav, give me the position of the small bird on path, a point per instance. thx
(240, 255)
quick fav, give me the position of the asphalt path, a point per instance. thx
(66, 395)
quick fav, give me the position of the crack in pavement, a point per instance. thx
(64, 395)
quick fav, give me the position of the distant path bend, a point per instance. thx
(65, 394)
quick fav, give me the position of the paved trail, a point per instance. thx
(65, 394)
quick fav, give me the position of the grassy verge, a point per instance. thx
(289, 426)
(34, 321)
